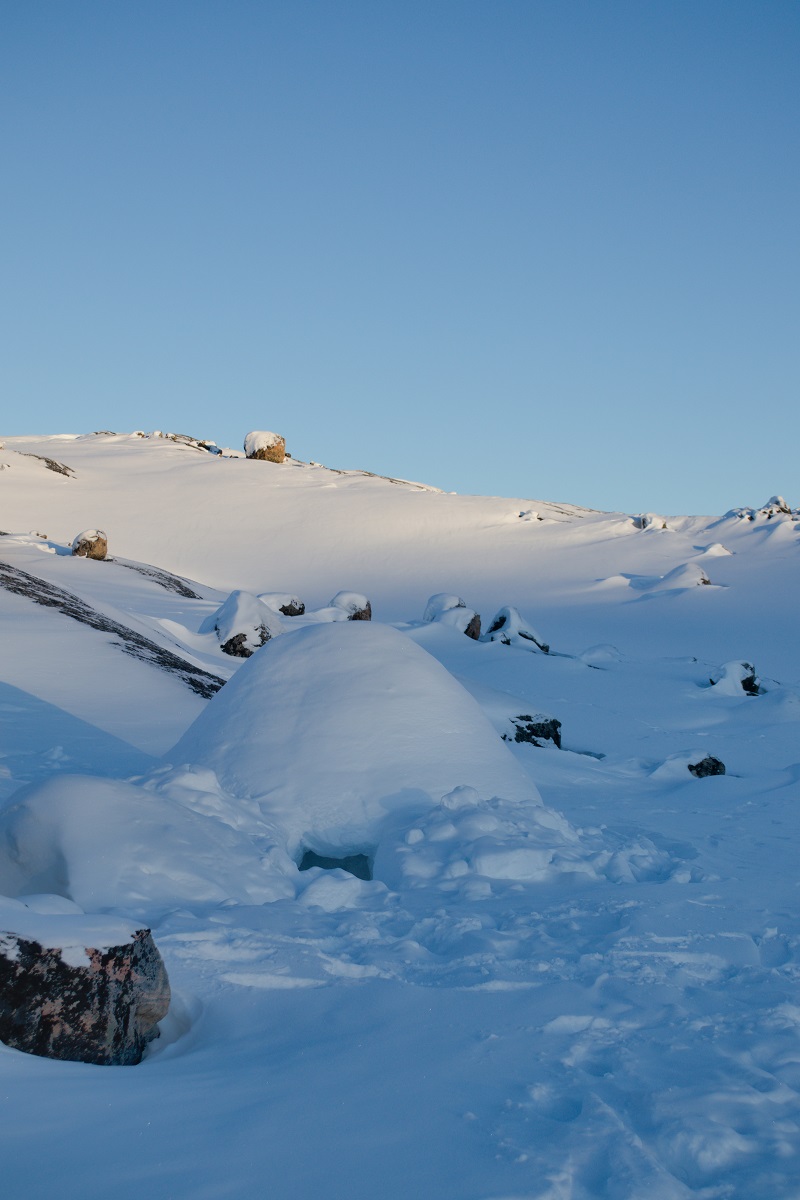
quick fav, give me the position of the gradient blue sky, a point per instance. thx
(533, 249)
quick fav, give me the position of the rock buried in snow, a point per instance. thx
(685, 575)
(441, 602)
(648, 521)
(63, 998)
(92, 543)
(242, 624)
(509, 628)
(451, 610)
(733, 678)
(285, 603)
(266, 446)
(356, 606)
(535, 729)
(707, 766)
(776, 506)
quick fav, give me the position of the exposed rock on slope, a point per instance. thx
(52, 464)
(13, 579)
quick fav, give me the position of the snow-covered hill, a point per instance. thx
(557, 972)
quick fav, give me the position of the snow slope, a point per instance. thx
(574, 973)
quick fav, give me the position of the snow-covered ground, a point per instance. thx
(574, 972)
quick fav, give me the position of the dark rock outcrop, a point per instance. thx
(292, 609)
(535, 729)
(473, 629)
(750, 684)
(129, 641)
(238, 647)
(102, 1011)
(51, 463)
(707, 766)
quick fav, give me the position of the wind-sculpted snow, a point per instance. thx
(108, 845)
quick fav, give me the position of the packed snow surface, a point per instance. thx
(572, 975)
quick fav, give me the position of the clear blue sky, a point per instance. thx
(535, 249)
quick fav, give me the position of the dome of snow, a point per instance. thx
(339, 725)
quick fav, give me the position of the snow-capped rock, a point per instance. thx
(355, 606)
(242, 624)
(269, 447)
(452, 611)
(509, 628)
(733, 678)
(92, 543)
(284, 603)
